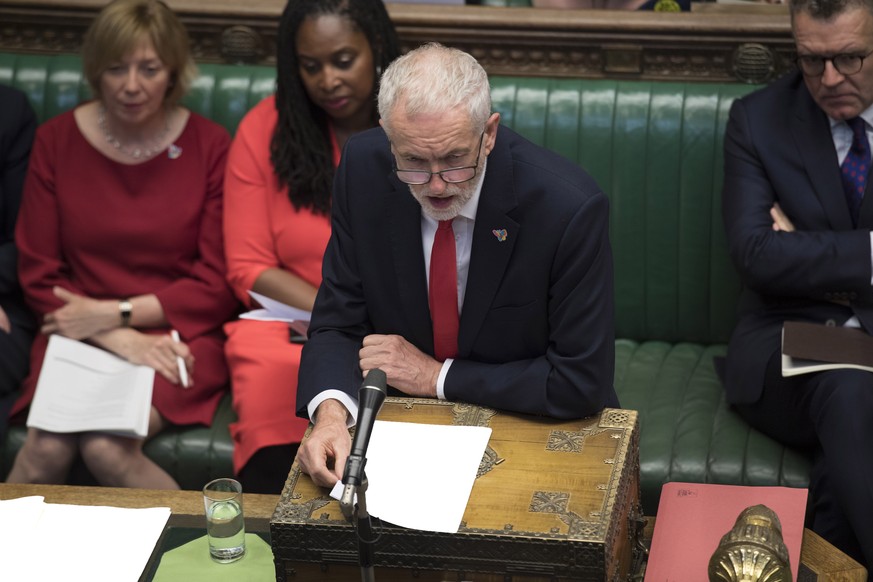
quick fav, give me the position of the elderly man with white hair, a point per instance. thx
(465, 262)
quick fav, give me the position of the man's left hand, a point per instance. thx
(408, 369)
(781, 222)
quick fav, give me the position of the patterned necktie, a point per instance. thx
(444, 292)
(855, 167)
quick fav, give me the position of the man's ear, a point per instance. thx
(491, 131)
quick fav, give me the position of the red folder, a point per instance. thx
(693, 517)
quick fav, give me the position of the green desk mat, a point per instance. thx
(183, 554)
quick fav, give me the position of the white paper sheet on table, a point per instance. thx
(275, 311)
(47, 541)
(420, 475)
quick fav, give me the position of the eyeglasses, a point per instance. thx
(814, 65)
(449, 175)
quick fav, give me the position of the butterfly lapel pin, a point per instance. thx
(500, 234)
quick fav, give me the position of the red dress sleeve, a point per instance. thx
(201, 301)
(248, 187)
(37, 234)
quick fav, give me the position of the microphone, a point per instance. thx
(370, 398)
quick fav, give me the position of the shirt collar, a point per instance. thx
(866, 115)
(469, 209)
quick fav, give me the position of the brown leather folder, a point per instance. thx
(827, 344)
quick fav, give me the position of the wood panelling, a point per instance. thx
(714, 46)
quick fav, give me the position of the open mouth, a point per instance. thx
(441, 202)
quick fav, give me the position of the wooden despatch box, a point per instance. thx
(553, 501)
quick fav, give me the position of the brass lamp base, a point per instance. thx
(752, 551)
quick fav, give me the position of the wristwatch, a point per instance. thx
(125, 308)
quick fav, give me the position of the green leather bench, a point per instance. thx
(656, 150)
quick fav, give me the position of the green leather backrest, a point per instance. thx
(656, 150)
(654, 147)
(54, 83)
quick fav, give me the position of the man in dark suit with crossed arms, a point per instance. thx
(440, 212)
(797, 157)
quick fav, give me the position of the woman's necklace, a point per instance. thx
(138, 152)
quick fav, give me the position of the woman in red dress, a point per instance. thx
(120, 241)
(277, 203)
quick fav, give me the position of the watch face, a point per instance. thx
(125, 307)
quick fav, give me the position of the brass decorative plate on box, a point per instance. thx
(554, 501)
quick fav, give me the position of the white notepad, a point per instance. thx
(82, 388)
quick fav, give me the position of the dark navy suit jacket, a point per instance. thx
(778, 148)
(536, 328)
(17, 127)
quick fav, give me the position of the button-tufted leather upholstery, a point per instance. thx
(656, 150)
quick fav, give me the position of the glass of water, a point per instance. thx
(225, 528)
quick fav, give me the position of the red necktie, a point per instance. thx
(444, 292)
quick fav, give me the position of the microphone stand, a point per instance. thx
(357, 515)
(370, 398)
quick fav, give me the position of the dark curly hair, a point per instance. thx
(300, 149)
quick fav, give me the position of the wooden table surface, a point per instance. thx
(187, 506)
(188, 511)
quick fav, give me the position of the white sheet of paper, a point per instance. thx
(420, 475)
(275, 310)
(47, 541)
(84, 388)
(25, 513)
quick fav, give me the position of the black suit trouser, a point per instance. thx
(832, 413)
(14, 358)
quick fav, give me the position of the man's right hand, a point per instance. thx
(323, 455)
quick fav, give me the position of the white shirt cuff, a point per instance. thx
(350, 403)
(441, 379)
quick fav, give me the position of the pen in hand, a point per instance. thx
(183, 371)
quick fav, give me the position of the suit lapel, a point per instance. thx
(816, 148)
(865, 218)
(494, 236)
(812, 134)
(408, 257)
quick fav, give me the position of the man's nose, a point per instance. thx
(831, 76)
(437, 184)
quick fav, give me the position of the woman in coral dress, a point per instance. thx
(277, 204)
